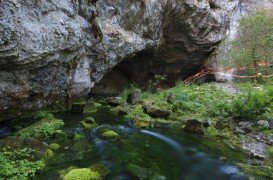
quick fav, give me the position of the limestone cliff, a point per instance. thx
(52, 49)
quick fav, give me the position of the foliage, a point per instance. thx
(42, 115)
(255, 40)
(254, 104)
(45, 128)
(18, 163)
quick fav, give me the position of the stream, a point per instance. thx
(160, 153)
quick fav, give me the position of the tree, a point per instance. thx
(254, 42)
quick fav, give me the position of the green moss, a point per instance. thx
(212, 131)
(101, 169)
(78, 137)
(54, 146)
(142, 123)
(257, 171)
(88, 123)
(140, 172)
(109, 134)
(43, 129)
(82, 174)
(48, 154)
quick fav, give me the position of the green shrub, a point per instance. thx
(18, 164)
(254, 105)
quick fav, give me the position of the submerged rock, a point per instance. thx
(194, 126)
(156, 112)
(134, 97)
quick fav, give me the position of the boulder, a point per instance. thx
(156, 112)
(74, 44)
(245, 126)
(113, 101)
(194, 126)
(263, 124)
(134, 97)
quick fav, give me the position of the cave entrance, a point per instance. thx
(143, 70)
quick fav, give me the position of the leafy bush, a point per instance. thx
(254, 104)
(18, 164)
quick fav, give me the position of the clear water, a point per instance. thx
(158, 153)
(162, 153)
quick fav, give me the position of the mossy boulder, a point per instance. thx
(156, 112)
(82, 174)
(88, 123)
(42, 129)
(141, 123)
(109, 134)
(194, 126)
(54, 146)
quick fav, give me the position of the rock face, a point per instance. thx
(50, 50)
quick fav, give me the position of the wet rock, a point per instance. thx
(246, 126)
(78, 108)
(156, 112)
(263, 124)
(254, 148)
(194, 126)
(113, 101)
(134, 97)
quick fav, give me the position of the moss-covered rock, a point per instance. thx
(101, 169)
(88, 123)
(54, 146)
(48, 154)
(109, 134)
(43, 129)
(82, 174)
(78, 136)
(141, 123)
